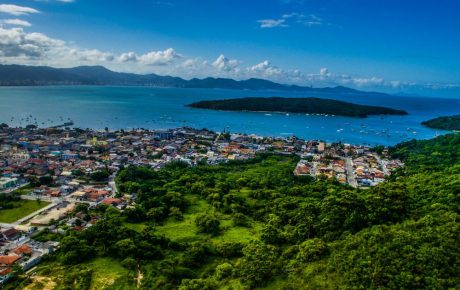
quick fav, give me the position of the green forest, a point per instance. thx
(297, 105)
(449, 123)
(253, 224)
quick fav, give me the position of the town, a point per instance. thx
(50, 176)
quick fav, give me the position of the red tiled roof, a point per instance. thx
(5, 271)
(110, 201)
(23, 249)
(9, 260)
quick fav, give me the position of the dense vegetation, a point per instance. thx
(449, 123)
(297, 105)
(254, 224)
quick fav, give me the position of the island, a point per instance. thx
(449, 123)
(296, 105)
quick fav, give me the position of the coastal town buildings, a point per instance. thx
(70, 167)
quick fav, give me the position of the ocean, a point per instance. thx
(98, 107)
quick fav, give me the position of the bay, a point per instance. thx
(98, 107)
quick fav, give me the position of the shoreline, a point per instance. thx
(282, 135)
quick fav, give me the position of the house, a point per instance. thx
(302, 169)
(8, 260)
(10, 234)
(111, 201)
(5, 274)
(22, 250)
(6, 182)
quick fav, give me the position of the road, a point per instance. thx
(382, 165)
(112, 183)
(350, 174)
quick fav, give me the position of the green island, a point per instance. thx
(296, 105)
(253, 224)
(449, 123)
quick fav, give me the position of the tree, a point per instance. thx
(223, 271)
(312, 250)
(45, 180)
(259, 263)
(176, 214)
(229, 249)
(74, 250)
(125, 248)
(100, 175)
(239, 219)
(207, 223)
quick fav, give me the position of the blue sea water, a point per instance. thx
(98, 107)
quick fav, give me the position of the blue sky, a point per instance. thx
(377, 44)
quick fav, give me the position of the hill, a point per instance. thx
(449, 123)
(296, 105)
(20, 75)
(253, 224)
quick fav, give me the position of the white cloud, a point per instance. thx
(16, 22)
(324, 72)
(265, 69)
(66, 1)
(270, 23)
(224, 64)
(128, 57)
(32, 48)
(159, 58)
(15, 42)
(91, 55)
(293, 19)
(310, 20)
(16, 10)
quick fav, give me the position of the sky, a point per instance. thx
(410, 46)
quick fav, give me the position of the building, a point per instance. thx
(6, 182)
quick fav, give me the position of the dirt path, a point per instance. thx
(44, 283)
(139, 276)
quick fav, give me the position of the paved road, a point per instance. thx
(350, 174)
(112, 183)
(382, 165)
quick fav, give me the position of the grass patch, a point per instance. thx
(106, 272)
(22, 208)
(23, 190)
(237, 234)
(138, 227)
(186, 230)
(45, 236)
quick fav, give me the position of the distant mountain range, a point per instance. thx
(21, 75)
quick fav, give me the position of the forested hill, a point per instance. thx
(21, 75)
(449, 123)
(253, 224)
(296, 105)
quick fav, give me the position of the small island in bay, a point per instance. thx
(449, 123)
(296, 105)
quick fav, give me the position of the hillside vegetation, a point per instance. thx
(297, 105)
(253, 224)
(449, 123)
